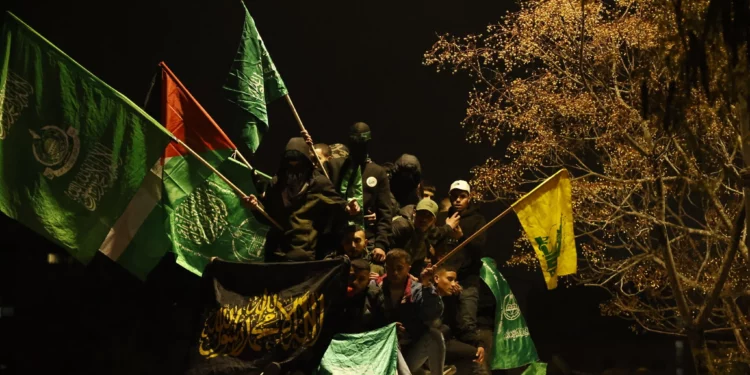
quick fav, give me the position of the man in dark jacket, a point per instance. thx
(468, 260)
(412, 231)
(358, 178)
(303, 201)
(406, 176)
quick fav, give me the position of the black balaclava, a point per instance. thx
(406, 176)
(359, 137)
(295, 176)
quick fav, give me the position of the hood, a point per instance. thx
(298, 144)
(407, 162)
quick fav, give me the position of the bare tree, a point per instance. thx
(645, 108)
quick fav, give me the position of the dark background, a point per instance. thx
(342, 62)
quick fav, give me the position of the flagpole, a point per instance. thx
(232, 185)
(496, 219)
(184, 89)
(302, 128)
(244, 160)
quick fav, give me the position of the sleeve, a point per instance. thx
(374, 306)
(384, 214)
(401, 230)
(431, 306)
(322, 202)
(477, 244)
(471, 337)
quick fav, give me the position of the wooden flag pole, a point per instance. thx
(232, 185)
(473, 236)
(165, 68)
(302, 128)
(496, 219)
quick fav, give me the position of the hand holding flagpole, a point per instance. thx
(304, 131)
(216, 171)
(546, 215)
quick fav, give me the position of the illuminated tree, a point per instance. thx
(644, 103)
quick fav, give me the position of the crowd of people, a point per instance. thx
(337, 201)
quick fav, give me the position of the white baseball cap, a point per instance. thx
(460, 185)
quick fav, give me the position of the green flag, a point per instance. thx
(73, 151)
(351, 188)
(253, 82)
(211, 222)
(513, 346)
(373, 352)
(138, 240)
(203, 214)
(174, 196)
(536, 368)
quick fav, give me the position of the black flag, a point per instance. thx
(259, 314)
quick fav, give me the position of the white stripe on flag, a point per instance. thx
(144, 201)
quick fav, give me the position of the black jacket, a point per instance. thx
(469, 259)
(375, 195)
(312, 215)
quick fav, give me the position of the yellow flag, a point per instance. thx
(546, 214)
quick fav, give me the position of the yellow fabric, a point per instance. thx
(546, 214)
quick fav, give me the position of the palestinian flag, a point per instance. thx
(183, 205)
(205, 215)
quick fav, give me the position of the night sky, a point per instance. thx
(342, 62)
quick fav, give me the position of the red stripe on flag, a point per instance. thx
(187, 120)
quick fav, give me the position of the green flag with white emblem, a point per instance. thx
(73, 151)
(513, 346)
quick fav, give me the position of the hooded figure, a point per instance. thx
(406, 174)
(302, 200)
(357, 177)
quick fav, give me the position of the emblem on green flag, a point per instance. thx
(211, 222)
(512, 346)
(73, 151)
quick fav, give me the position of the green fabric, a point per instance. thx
(73, 151)
(253, 82)
(536, 368)
(513, 346)
(148, 246)
(368, 353)
(211, 221)
(351, 187)
(149, 242)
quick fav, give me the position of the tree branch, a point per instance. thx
(726, 265)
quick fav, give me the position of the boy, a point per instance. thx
(355, 317)
(464, 348)
(354, 244)
(414, 307)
